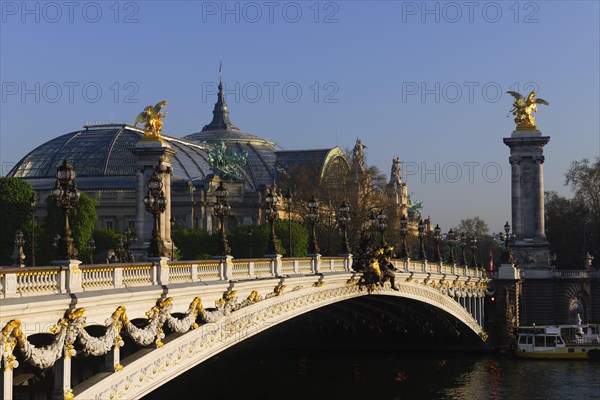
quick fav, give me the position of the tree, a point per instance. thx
(82, 220)
(194, 244)
(246, 241)
(104, 240)
(566, 222)
(486, 244)
(15, 213)
(584, 179)
(361, 189)
(473, 227)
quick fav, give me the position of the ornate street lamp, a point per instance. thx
(287, 195)
(172, 244)
(373, 219)
(129, 240)
(382, 225)
(313, 218)
(422, 251)
(191, 190)
(66, 196)
(222, 210)
(120, 252)
(18, 254)
(156, 204)
(271, 201)
(451, 239)
(55, 245)
(474, 252)
(437, 236)
(91, 247)
(33, 203)
(508, 239)
(463, 249)
(404, 231)
(343, 220)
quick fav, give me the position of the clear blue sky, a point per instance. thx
(362, 68)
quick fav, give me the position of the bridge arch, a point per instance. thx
(145, 372)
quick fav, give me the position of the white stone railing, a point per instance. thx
(578, 274)
(74, 277)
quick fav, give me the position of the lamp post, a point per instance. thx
(463, 248)
(508, 240)
(422, 252)
(172, 244)
(91, 247)
(250, 234)
(474, 252)
(18, 254)
(120, 252)
(66, 196)
(55, 245)
(129, 239)
(404, 231)
(287, 195)
(451, 239)
(156, 204)
(343, 220)
(313, 218)
(222, 210)
(382, 225)
(33, 203)
(437, 236)
(191, 190)
(373, 219)
(271, 214)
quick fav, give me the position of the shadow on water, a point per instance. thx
(376, 348)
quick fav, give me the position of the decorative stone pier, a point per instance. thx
(527, 182)
(151, 154)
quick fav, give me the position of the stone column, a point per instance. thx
(527, 199)
(515, 169)
(150, 154)
(540, 231)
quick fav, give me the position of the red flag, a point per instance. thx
(491, 261)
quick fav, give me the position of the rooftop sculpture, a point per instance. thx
(152, 117)
(523, 109)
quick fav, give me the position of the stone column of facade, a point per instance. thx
(150, 154)
(527, 183)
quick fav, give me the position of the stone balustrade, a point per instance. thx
(75, 278)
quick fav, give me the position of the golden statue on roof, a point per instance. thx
(523, 109)
(152, 117)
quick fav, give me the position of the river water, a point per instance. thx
(378, 348)
(367, 375)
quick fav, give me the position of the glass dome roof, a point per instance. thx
(101, 154)
(104, 150)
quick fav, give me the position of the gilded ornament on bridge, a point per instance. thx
(253, 297)
(523, 109)
(279, 289)
(152, 117)
(379, 270)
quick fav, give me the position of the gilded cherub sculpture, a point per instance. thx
(152, 117)
(523, 109)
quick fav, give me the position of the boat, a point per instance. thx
(568, 342)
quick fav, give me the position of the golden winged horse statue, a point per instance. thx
(523, 109)
(152, 117)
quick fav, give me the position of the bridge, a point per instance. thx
(52, 315)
